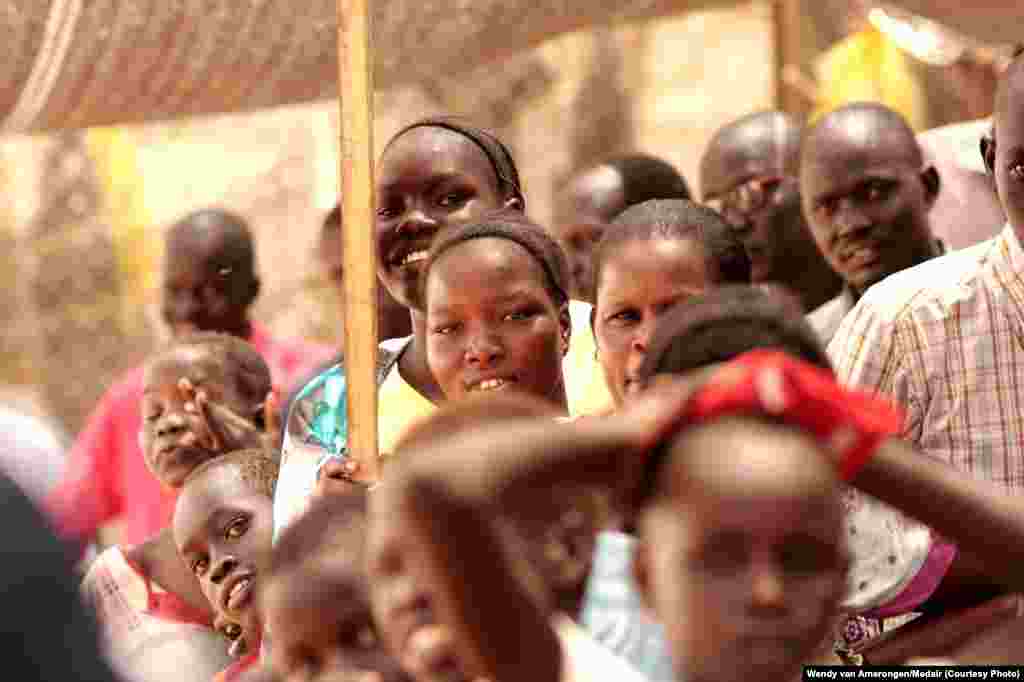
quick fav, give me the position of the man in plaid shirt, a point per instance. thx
(946, 338)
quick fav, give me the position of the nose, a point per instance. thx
(642, 337)
(767, 590)
(484, 348)
(851, 220)
(171, 424)
(416, 221)
(741, 224)
(222, 568)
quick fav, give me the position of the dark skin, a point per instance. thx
(741, 553)
(427, 179)
(1004, 151)
(203, 287)
(192, 412)
(765, 147)
(323, 622)
(223, 530)
(588, 205)
(492, 323)
(867, 194)
(639, 282)
(393, 321)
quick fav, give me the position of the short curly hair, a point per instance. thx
(256, 468)
(677, 219)
(239, 358)
(725, 323)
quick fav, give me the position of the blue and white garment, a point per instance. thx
(614, 615)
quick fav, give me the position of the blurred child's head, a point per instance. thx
(552, 543)
(175, 438)
(209, 274)
(223, 528)
(725, 323)
(434, 173)
(660, 253)
(495, 295)
(741, 554)
(316, 599)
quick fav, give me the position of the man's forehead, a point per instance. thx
(746, 152)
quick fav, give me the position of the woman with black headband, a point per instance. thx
(433, 173)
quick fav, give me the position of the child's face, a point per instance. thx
(323, 626)
(492, 324)
(175, 438)
(223, 529)
(638, 283)
(428, 178)
(746, 580)
(199, 293)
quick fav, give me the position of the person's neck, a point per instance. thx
(816, 286)
(242, 330)
(412, 365)
(931, 249)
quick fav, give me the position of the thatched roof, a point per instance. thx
(77, 63)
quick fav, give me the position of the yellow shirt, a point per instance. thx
(398, 406)
(867, 66)
(585, 386)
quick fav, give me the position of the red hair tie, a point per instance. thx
(851, 423)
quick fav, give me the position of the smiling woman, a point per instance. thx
(497, 309)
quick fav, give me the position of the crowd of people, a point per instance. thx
(672, 436)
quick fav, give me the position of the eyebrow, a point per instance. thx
(851, 187)
(434, 181)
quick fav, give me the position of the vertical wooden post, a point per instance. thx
(786, 22)
(355, 79)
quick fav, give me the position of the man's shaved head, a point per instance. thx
(867, 193)
(864, 125)
(749, 174)
(757, 144)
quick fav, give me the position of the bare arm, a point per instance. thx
(432, 516)
(980, 517)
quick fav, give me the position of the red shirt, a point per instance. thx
(106, 476)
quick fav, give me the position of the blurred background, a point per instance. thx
(81, 213)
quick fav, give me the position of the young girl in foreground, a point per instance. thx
(745, 571)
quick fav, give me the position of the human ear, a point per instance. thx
(932, 184)
(988, 153)
(515, 203)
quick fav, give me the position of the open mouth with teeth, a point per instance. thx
(237, 595)
(496, 384)
(413, 257)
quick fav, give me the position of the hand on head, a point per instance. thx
(226, 429)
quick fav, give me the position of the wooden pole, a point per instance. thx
(786, 20)
(358, 218)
